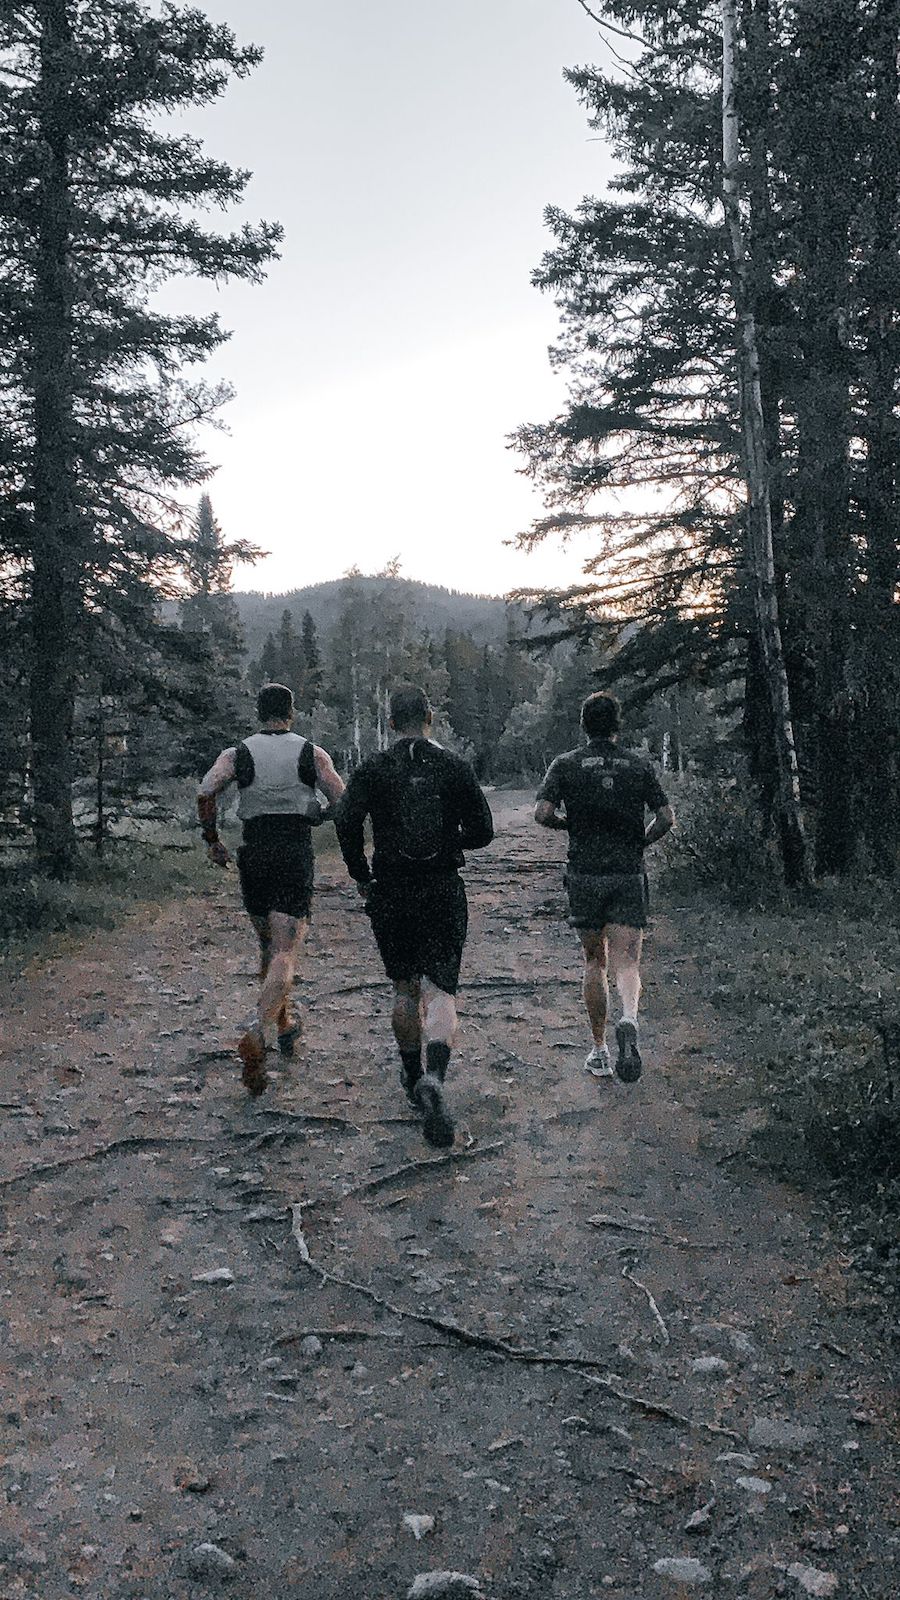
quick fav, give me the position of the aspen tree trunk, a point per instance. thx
(759, 514)
(56, 577)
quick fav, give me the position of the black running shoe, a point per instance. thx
(409, 1082)
(437, 1123)
(628, 1064)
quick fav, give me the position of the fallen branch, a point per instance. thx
(652, 1303)
(131, 1142)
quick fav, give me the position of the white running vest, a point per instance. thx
(276, 789)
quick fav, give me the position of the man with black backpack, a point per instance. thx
(277, 773)
(426, 808)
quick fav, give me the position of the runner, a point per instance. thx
(277, 774)
(604, 792)
(426, 808)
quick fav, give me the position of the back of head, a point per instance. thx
(601, 716)
(274, 703)
(409, 708)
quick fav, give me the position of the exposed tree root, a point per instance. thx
(130, 1142)
(415, 1168)
(585, 1366)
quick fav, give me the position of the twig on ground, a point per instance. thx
(602, 1219)
(652, 1303)
(131, 1142)
(313, 1117)
(341, 1335)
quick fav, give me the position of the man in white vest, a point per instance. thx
(277, 773)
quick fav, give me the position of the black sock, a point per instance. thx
(412, 1065)
(437, 1055)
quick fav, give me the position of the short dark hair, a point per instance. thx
(601, 715)
(274, 703)
(410, 706)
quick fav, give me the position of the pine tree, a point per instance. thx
(210, 620)
(97, 414)
(644, 281)
(312, 664)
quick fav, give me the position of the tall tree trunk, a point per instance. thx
(823, 419)
(56, 577)
(759, 516)
(881, 504)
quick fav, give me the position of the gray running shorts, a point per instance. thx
(598, 898)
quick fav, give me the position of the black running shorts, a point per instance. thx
(420, 927)
(596, 899)
(277, 875)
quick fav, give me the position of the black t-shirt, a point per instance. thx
(605, 792)
(376, 790)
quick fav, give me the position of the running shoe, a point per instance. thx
(252, 1051)
(628, 1064)
(597, 1063)
(409, 1081)
(437, 1123)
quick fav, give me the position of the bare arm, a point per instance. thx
(546, 814)
(659, 827)
(327, 778)
(220, 775)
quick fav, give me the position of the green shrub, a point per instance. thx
(719, 845)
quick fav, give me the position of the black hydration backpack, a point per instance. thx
(419, 804)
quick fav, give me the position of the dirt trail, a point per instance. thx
(650, 1336)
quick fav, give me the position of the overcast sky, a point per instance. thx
(409, 148)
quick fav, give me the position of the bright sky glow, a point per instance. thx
(409, 149)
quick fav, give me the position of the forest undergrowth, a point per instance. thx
(808, 982)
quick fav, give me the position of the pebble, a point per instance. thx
(210, 1561)
(709, 1366)
(683, 1569)
(419, 1523)
(311, 1347)
(754, 1485)
(812, 1581)
(733, 1458)
(216, 1275)
(700, 1521)
(444, 1586)
(771, 1433)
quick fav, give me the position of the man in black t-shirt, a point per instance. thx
(604, 793)
(425, 807)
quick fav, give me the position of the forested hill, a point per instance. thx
(429, 607)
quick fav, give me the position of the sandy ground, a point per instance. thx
(562, 1342)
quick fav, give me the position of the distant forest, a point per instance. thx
(504, 697)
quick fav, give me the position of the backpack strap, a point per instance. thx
(306, 765)
(244, 769)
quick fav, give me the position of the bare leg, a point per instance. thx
(439, 1029)
(263, 934)
(406, 1017)
(288, 934)
(625, 946)
(625, 958)
(596, 983)
(440, 1020)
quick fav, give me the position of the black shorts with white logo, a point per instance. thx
(276, 873)
(596, 899)
(420, 924)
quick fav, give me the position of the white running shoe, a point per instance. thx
(598, 1063)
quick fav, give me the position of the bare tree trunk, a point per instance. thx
(759, 514)
(881, 764)
(56, 577)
